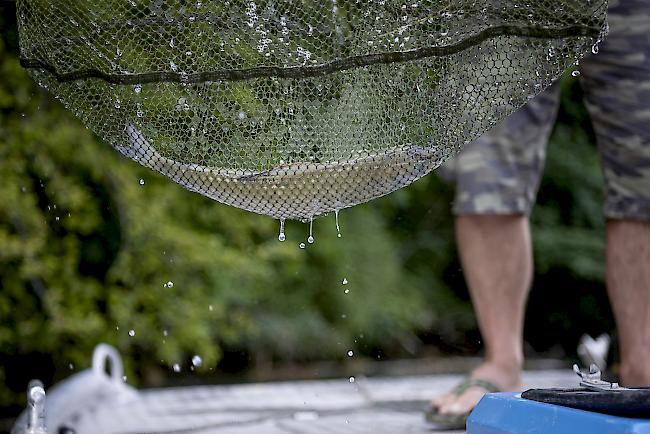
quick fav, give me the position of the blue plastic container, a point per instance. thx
(509, 413)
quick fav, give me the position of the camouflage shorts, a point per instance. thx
(500, 172)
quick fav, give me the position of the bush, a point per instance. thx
(86, 254)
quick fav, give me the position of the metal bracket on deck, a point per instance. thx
(592, 380)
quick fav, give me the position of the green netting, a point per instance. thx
(297, 108)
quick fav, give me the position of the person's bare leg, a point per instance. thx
(628, 285)
(496, 254)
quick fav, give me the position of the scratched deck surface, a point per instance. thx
(373, 405)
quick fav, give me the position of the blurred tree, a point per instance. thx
(89, 253)
(96, 248)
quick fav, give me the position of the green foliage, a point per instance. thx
(86, 251)
(568, 221)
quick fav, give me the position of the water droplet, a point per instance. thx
(351, 380)
(70, 366)
(176, 367)
(301, 245)
(131, 332)
(169, 284)
(165, 333)
(210, 308)
(338, 228)
(575, 73)
(124, 378)
(141, 181)
(282, 236)
(137, 88)
(345, 281)
(350, 353)
(310, 238)
(197, 360)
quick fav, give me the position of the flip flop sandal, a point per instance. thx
(458, 420)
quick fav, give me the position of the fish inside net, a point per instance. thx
(294, 109)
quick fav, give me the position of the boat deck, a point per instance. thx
(366, 405)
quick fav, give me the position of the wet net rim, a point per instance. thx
(335, 66)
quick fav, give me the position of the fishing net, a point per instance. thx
(294, 109)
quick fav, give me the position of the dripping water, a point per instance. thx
(338, 228)
(282, 236)
(310, 239)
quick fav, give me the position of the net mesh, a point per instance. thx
(294, 109)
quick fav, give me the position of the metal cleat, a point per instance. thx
(592, 380)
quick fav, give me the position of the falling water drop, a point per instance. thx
(282, 236)
(197, 360)
(131, 332)
(345, 281)
(301, 245)
(352, 380)
(176, 367)
(338, 228)
(350, 353)
(310, 239)
(141, 181)
(575, 73)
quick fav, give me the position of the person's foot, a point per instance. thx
(503, 378)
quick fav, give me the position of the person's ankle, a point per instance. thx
(635, 375)
(505, 374)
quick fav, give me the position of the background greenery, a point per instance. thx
(86, 251)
